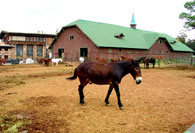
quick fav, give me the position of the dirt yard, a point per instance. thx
(37, 99)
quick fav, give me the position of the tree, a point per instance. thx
(190, 16)
(191, 44)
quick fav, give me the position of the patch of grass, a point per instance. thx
(12, 124)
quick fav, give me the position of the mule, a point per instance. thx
(126, 58)
(147, 61)
(2, 61)
(111, 73)
(101, 60)
(44, 61)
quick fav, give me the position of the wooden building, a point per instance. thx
(90, 40)
(24, 45)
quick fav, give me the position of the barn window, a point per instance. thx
(128, 51)
(39, 50)
(109, 50)
(167, 52)
(120, 50)
(71, 37)
(159, 41)
(29, 50)
(19, 50)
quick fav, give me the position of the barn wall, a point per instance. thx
(72, 48)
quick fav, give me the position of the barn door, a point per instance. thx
(84, 52)
(60, 52)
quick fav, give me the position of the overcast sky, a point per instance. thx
(50, 15)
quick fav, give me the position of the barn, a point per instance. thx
(90, 40)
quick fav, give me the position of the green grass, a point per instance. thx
(12, 124)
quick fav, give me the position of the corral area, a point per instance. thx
(38, 99)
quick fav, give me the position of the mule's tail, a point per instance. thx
(74, 76)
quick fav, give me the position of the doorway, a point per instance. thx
(60, 52)
(84, 52)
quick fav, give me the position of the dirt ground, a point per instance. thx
(46, 102)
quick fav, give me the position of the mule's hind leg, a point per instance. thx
(81, 86)
(81, 94)
(108, 94)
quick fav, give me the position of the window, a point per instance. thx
(41, 39)
(37, 39)
(0, 49)
(128, 51)
(39, 50)
(109, 50)
(31, 39)
(159, 41)
(71, 37)
(0, 57)
(27, 38)
(19, 50)
(150, 51)
(29, 50)
(6, 49)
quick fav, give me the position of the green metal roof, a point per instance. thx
(103, 35)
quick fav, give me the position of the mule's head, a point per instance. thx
(135, 71)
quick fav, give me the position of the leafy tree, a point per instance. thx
(190, 16)
(191, 44)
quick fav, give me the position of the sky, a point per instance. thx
(48, 16)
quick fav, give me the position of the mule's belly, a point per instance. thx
(100, 81)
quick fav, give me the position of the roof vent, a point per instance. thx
(120, 36)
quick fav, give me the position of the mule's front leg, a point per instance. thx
(118, 96)
(81, 94)
(108, 95)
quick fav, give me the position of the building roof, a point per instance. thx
(3, 33)
(104, 35)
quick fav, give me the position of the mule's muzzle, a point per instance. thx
(138, 80)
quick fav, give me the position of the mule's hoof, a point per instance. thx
(82, 103)
(121, 108)
(107, 104)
